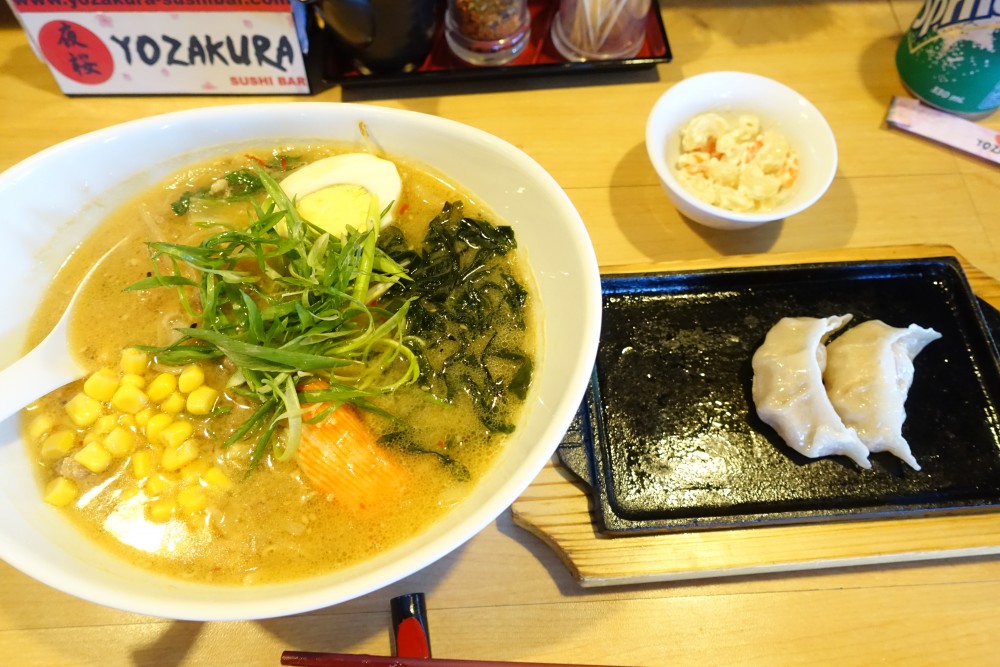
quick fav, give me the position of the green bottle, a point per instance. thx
(950, 56)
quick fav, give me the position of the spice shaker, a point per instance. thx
(487, 32)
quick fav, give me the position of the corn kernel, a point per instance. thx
(202, 400)
(101, 385)
(162, 386)
(100, 428)
(191, 378)
(134, 361)
(156, 424)
(39, 426)
(58, 444)
(159, 484)
(83, 409)
(215, 477)
(173, 403)
(174, 458)
(130, 399)
(161, 509)
(142, 464)
(175, 433)
(134, 379)
(128, 493)
(93, 457)
(191, 500)
(105, 424)
(194, 470)
(120, 442)
(60, 492)
(142, 417)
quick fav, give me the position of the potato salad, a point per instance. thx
(736, 166)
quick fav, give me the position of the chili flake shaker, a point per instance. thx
(487, 32)
(950, 56)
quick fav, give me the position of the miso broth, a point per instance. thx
(221, 517)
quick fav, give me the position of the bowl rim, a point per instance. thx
(559, 411)
(656, 133)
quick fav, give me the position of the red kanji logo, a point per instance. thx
(76, 52)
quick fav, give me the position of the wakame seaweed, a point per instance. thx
(460, 294)
(403, 441)
(242, 185)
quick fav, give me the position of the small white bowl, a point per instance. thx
(731, 93)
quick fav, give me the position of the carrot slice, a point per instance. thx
(341, 460)
(791, 169)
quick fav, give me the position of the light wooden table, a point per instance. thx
(505, 595)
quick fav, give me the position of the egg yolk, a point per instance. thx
(335, 207)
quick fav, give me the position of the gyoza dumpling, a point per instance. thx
(789, 394)
(868, 375)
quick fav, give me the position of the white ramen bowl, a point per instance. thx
(733, 93)
(55, 198)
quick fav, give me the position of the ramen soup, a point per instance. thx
(303, 356)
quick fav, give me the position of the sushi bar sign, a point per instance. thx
(142, 47)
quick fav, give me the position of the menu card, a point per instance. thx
(139, 47)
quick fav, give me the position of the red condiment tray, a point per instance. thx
(539, 57)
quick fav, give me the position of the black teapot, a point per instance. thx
(381, 36)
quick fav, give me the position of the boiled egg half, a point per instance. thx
(337, 191)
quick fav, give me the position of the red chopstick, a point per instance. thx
(411, 636)
(308, 659)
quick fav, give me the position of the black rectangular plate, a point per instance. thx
(668, 438)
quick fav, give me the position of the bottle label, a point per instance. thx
(937, 15)
(950, 56)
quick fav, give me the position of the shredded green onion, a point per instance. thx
(285, 301)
